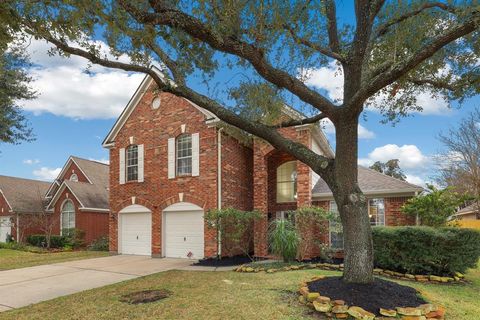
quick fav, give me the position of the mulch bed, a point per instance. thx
(225, 262)
(371, 297)
(145, 296)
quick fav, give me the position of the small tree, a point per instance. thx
(435, 207)
(284, 239)
(234, 229)
(44, 220)
(390, 168)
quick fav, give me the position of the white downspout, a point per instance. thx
(219, 185)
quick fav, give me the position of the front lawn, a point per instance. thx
(225, 295)
(14, 259)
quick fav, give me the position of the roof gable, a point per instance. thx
(132, 104)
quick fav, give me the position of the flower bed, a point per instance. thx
(339, 309)
(459, 277)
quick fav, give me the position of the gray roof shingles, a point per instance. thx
(24, 195)
(371, 181)
(93, 195)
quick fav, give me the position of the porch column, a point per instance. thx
(260, 199)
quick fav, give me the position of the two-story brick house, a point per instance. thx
(171, 161)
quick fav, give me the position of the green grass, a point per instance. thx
(225, 295)
(14, 259)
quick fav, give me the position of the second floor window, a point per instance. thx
(74, 177)
(132, 163)
(287, 182)
(184, 155)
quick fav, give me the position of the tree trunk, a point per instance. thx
(352, 204)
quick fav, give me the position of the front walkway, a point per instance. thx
(21, 287)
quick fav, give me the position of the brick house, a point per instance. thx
(77, 198)
(20, 201)
(171, 161)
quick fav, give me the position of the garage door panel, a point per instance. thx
(184, 234)
(136, 233)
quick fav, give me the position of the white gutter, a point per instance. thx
(219, 184)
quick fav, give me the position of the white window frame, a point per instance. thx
(74, 177)
(376, 217)
(69, 213)
(183, 157)
(127, 162)
(330, 205)
(294, 182)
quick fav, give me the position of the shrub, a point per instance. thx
(74, 238)
(40, 240)
(100, 244)
(426, 250)
(21, 247)
(284, 239)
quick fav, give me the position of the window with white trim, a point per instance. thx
(287, 182)
(376, 212)
(74, 177)
(132, 163)
(68, 215)
(335, 228)
(184, 155)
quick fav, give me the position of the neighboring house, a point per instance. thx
(172, 161)
(469, 212)
(78, 198)
(20, 200)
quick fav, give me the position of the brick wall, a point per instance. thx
(393, 215)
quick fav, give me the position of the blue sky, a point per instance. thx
(75, 111)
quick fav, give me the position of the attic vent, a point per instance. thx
(156, 103)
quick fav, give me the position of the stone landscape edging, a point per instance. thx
(459, 277)
(337, 309)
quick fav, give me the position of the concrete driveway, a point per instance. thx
(21, 287)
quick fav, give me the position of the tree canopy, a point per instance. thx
(390, 168)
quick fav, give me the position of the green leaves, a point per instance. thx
(434, 207)
(284, 239)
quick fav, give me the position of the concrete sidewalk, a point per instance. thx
(22, 287)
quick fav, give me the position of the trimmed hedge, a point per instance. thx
(426, 250)
(39, 240)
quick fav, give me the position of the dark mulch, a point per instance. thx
(145, 296)
(322, 260)
(371, 297)
(226, 261)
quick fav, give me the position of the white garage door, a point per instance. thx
(5, 228)
(184, 234)
(135, 236)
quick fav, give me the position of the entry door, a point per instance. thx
(136, 233)
(184, 237)
(5, 228)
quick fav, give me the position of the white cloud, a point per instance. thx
(416, 180)
(102, 160)
(65, 89)
(45, 173)
(31, 161)
(363, 133)
(410, 156)
(330, 79)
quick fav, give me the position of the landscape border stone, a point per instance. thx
(457, 278)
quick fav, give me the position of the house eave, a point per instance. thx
(383, 193)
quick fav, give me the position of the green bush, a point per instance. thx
(284, 239)
(74, 238)
(426, 250)
(40, 240)
(21, 247)
(100, 244)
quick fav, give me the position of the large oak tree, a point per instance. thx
(229, 55)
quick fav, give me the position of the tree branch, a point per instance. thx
(331, 12)
(434, 83)
(230, 44)
(314, 46)
(386, 78)
(383, 29)
(299, 122)
(319, 163)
